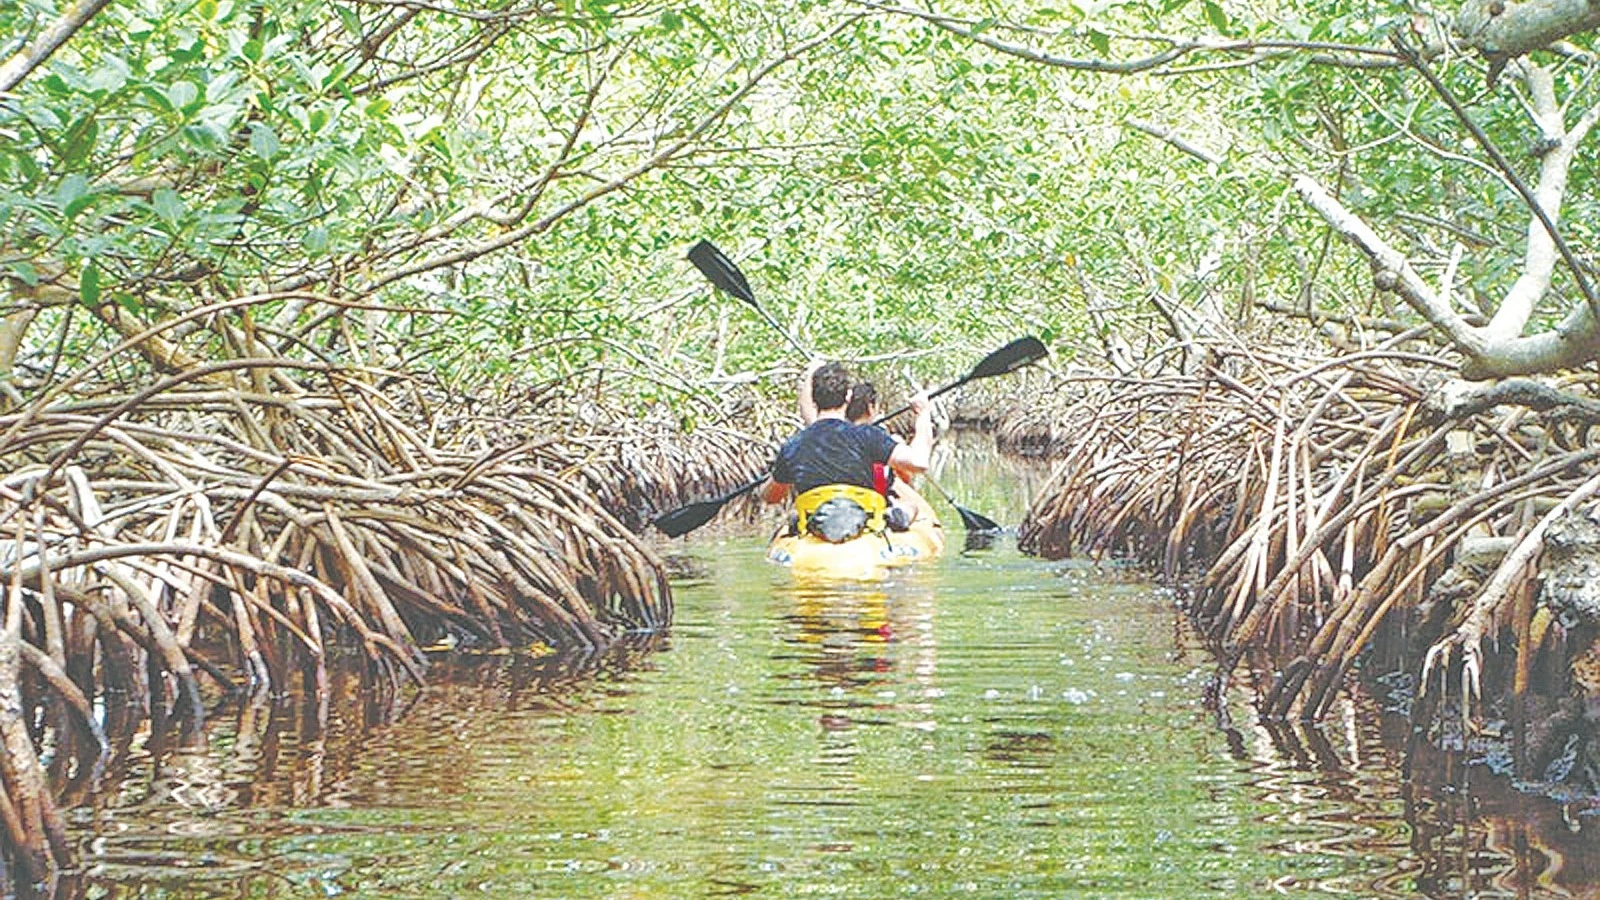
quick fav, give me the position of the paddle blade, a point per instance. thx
(721, 271)
(971, 521)
(1013, 356)
(685, 519)
(975, 521)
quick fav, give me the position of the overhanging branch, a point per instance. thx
(34, 53)
(1410, 55)
(1394, 271)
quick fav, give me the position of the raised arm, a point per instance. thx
(808, 406)
(915, 456)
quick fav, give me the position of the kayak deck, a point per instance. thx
(866, 557)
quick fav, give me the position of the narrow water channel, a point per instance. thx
(987, 726)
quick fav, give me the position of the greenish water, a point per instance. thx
(986, 726)
(990, 726)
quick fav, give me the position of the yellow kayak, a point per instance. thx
(863, 558)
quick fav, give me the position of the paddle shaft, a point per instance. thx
(780, 329)
(970, 520)
(944, 390)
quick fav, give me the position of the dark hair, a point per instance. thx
(830, 386)
(862, 396)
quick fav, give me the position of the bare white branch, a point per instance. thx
(35, 52)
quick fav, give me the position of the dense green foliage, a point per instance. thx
(513, 185)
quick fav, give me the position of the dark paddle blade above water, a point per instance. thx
(685, 519)
(1013, 356)
(721, 271)
(971, 521)
(975, 521)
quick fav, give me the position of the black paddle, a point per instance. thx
(971, 521)
(721, 271)
(1009, 358)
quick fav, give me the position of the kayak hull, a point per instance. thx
(867, 557)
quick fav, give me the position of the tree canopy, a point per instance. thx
(508, 188)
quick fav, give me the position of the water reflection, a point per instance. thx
(839, 634)
(180, 814)
(835, 648)
(993, 726)
(1477, 836)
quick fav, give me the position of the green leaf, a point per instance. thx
(73, 188)
(349, 19)
(200, 138)
(89, 284)
(168, 205)
(72, 209)
(315, 241)
(1215, 15)
(26, 166)
(111, 76)
(1100, 41)
(158, 99)
(694, 16)
(218, 88)
(263, 140)
(24, 272)
(80, 139)
(207, 9)
(182, 93)
(44, 118)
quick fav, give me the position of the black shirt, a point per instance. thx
(832, 451)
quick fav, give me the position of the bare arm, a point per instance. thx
(808, 406)
(903, 474)
(915, 456)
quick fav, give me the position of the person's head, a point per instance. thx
(863, 402)
(830, 386)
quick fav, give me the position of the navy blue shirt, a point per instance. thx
(832, 451)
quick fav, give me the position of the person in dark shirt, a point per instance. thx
(833, 450)
(905, 503)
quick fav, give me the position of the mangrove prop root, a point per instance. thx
(203, 526)
(1301, 501)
